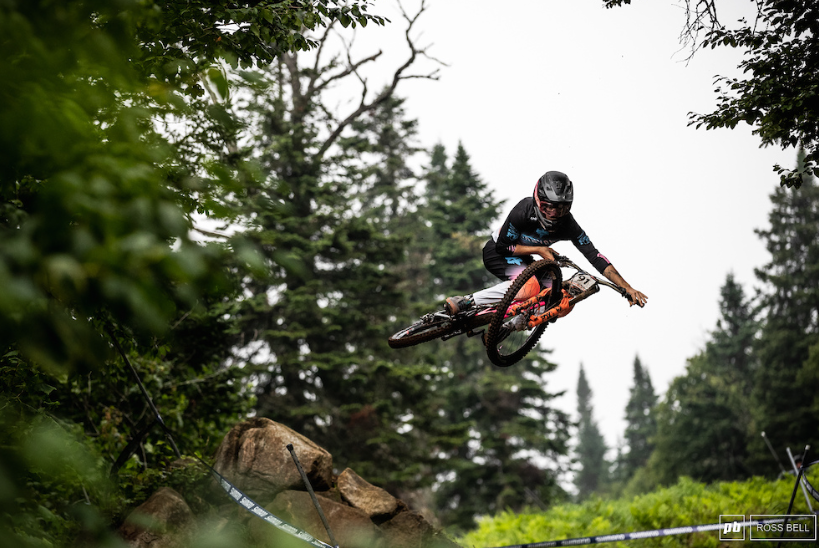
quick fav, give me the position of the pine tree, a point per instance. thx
(786, 382)
(591, 447)
(460, 209)
(500, 419)
(641, 423)
(322, 218)
(703, 424)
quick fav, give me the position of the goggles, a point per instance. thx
(560, 209)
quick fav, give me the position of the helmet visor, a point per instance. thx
(553, 209)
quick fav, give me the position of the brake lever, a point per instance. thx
(560, 259)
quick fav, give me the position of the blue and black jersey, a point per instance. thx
(521, 227)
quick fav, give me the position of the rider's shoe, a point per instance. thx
(454, 305)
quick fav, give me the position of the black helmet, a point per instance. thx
(555, 190)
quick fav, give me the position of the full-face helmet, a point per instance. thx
(553, 196)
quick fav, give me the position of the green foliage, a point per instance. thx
(591, 447)
(94, 202)
(685, 503)
(96, 208)
(780, 95)
(109, 420)
(88, 214)
(48, 476)
(179, 39)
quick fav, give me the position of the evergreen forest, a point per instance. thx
(185, 212)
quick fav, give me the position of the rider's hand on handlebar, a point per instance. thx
(547, 253)
(636, 297)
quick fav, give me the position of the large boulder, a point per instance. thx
(372, 500)
(254, 457)
(351, 527)
(162, 521)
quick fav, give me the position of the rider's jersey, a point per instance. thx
(522, 228)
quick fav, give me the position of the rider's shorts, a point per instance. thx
(504, 268)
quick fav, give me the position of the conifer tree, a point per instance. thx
(703, 423)
(786, 382)
(321, 218)
(460, 208)
(591, 447)
(500, 419)
(641, 423)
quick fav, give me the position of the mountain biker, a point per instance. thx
(530, 228)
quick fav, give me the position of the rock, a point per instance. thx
(331, 494)
(254, 457)
(421, 501)
(407, 530)
(351, 527)
(162, 521)
(372, 500)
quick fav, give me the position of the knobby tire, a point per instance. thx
(421, 331)
(502, 348)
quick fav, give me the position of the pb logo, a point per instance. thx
(732, 527)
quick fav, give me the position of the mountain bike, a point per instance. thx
(511, 335)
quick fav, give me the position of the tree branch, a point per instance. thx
(311, 84)
(700, 15)
(209, 233)
(291, 62)
(388, 91)
(352, 68)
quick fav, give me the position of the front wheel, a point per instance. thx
(506, 342)
(426, 329)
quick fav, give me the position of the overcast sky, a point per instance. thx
(604, 96)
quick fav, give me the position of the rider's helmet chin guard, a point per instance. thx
(555, 189)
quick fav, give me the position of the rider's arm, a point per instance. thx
(636, 297)
(543, 251)
(508, 237)
(584, 244)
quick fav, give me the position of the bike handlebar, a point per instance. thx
(564, 261)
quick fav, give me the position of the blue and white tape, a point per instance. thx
(251, 506)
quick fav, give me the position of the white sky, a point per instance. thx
(604, 96)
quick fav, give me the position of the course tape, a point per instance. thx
(251, 506)
(641, 534)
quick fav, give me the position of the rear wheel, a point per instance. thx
(506, 344)
(426, 329)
